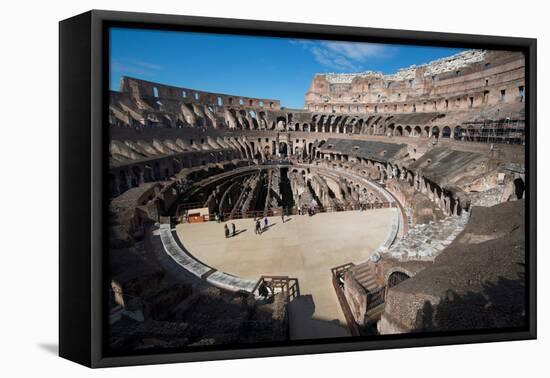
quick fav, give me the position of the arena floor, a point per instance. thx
(303, 247)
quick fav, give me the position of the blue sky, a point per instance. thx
(263, 67)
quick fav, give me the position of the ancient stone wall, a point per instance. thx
(473, 79)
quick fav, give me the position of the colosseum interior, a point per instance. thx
(388, 204)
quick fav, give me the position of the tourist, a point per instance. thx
(263, 291)
(258, 227)
(226, 231)
(283, 216)
(233, 228)
(266, 223)
(217, 217)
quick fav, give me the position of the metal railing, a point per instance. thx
(269, 286)
(275, 211)
(338, 273)
(338, 284)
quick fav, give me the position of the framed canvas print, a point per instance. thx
(233, 188)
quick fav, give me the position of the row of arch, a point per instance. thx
(444, 199)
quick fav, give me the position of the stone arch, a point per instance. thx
(321, 124)
(156, 171)
(330, 123)
(407, 131)
(358, 126)
(458, 133)
(426, 132)
(396, 277)
(280, 123)
(137, 176)
(243, 120)
(446, 132)
(519, 186)
(398, 131)
(435, 132)
(417, 131)
(390, 130)
(283, 149)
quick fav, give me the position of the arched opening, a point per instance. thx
(341, 128)
(446, 132)
(136, 176)
(458, 133)
(283, 149)
(417, 131)
(435, 132)
(122, 185)
(281, 123)
(358, 126)
(398, 131)
(407, 131)
(519, 188)
(396, 278)
(156, 171)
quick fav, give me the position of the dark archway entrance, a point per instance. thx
(396, 278)
(283, 149)
(519, 188)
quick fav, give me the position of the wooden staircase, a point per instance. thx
(365, 276)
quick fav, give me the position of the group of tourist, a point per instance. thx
(310, 210)
(258, 230)
(231, 233)
(218, 217)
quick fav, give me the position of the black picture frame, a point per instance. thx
(83, 167)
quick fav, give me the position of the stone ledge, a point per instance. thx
(172, 248)
(231, 283)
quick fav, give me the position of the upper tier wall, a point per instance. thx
(496, 79)
(150, 90)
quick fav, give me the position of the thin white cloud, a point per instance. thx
(342, 56)
(135, 67)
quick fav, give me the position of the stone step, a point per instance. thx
(375, 313)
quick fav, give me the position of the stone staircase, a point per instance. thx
(426, 241)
